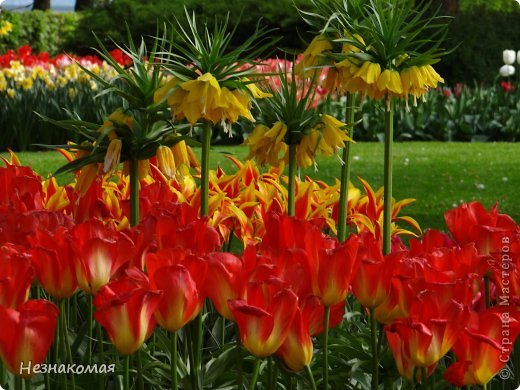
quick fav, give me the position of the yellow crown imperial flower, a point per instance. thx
(389, 82)
(166, 161)
(113, 155)
(311, 55)
(369, 72)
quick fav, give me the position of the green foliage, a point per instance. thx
(143, 17)
(482, 37)
(42, 30)
(465, 113)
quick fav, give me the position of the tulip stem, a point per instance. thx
(65, 339)
(291, 181)
(18, 384)
(27, 384)
(375, 357)
(254, 378)
(326, 319)
(174, 361)
(140, 380)
(311, 377)
(516, 361)
(90, 319)
(222, 331)
(204, 185)
(389, 141)
(134, 191)
(126, 373)
(101, 350)
(2, 373)
(345, 169)
(239, 361)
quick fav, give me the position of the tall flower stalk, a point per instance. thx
(290, 131)
(131, 134)
(209, 85)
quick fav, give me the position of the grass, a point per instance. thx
(438, 175)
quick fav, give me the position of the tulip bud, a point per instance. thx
(518, 57)
(506, 70)
(509, 57)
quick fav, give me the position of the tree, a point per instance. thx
(83, 4)
(41, 4)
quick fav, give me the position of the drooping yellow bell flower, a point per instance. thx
(311, 55)
(112, 156)
(267, 144)
(389, 82)
(333, 134)
(369, 72)
(166, 161)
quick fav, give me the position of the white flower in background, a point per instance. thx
(506, 70)
(518, 56)
(509, 57)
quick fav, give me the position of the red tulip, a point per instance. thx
(483, 349)
(264, 320)
(429, 331)
(181, 277)
(373, 281)
(27, 334)
(16, 275)
(100, 252)
(53, 261)
(21, 189)
(334, 271)
(125, 309)
(472, 223)
(227, 280)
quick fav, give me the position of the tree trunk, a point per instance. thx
(83, 4)
(41, 4)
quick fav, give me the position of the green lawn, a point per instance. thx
(438, 175)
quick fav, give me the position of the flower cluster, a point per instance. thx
(430, 295)
(20, 70)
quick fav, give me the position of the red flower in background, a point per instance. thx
(507, 86)
(483, 349)
(16, 275)
(27, 334)
(125, 309)
(21, 189)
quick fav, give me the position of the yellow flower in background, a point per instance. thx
(113, 156)
(27, 83)
(389, 82)
(311, 55)
(5, 28)
(166, 161)
(193, 99)
(11, 93)
(306, 149)
(369, 72)
(267, 144)
(333, 133)
(417, 80)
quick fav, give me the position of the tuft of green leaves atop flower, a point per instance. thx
(133, 131)
(388, 47)
(208, 80)
(288, 119)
